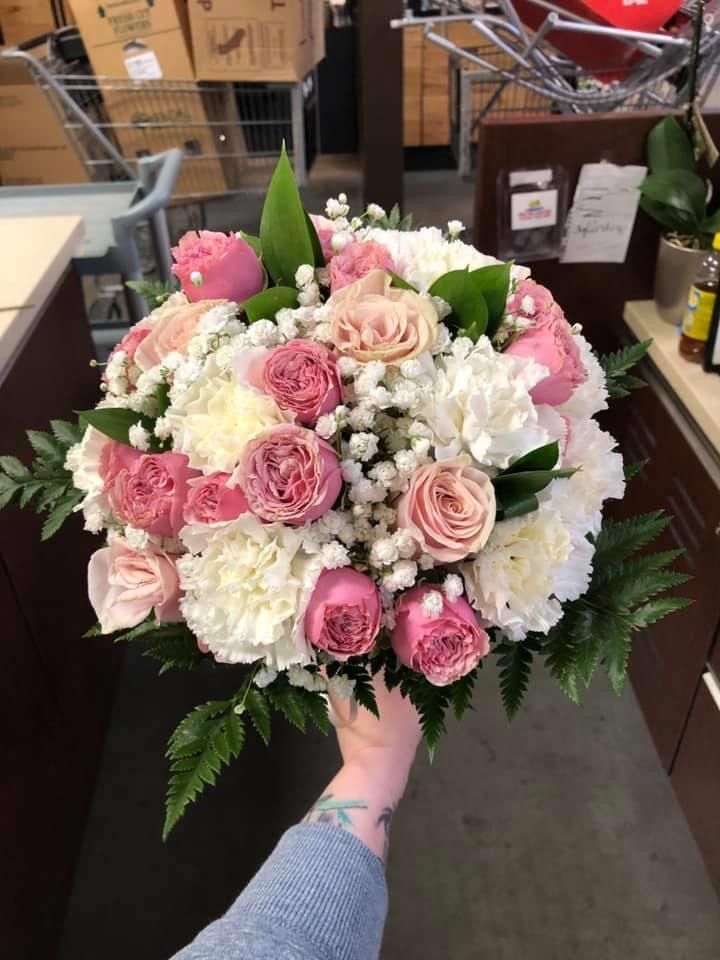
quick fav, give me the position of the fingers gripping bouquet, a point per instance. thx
(349, 447)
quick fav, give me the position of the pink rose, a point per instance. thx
(548, 341)
(211, 500)
(130, 342)
(290, 475)
(443, 647)
(124, 585)
(325, 231)
(223, 265)
(343, 615)
(373, 321)
(150, 493)
(172, 327)
(301, 376)
(449, 508)
(356, 260)
(114, 457)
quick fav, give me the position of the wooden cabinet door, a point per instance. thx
(668, 659)
(696, 774)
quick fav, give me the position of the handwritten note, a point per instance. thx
(601, 219)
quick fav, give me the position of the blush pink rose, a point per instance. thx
(449, 508)
(114, 457)
(211, 500)
(547, 340)
(343, 615)
(371, 320)
(443, 647)
(325, 231)
(290, 475)
(150, 494)
(227, 265)
(124, 585)
(130, 343)
(172, 327)
(302, 377)
(356, 260)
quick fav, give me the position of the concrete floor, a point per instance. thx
(557, 838)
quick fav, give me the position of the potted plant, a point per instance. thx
(679, 199)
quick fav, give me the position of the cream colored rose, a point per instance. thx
(172, 327)
(216, 419)
(371, 320)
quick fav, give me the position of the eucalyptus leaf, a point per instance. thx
(115, 422)
(265, 305)
(669, 147)
(462, 290)
(493, 282)
(286, 240)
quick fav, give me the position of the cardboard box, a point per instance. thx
(22, 20)
(34, 147)
(148, 121)
(256, 40)
(140, 39)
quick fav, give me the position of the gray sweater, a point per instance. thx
(320, 895)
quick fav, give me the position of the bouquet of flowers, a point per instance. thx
(347, 448)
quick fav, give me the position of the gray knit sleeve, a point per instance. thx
(321, 895)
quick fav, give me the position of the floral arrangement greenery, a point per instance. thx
(349, 448)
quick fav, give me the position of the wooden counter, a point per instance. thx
(36, 252)
(698, 391)
(57, 687)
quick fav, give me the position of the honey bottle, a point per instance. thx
(701, 302)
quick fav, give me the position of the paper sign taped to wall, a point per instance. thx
(600, 221)
(143, 66)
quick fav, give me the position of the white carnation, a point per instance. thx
(84, 459)
(591, 396)
(482, 404)
(246, 592)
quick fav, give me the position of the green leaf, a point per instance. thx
(669, 147)
(148, 626)
(284, 235)
(493, 282)
(711, 224)
(618, 539)
(94, 631)
(461, 693)
(315, 706)
(462, 290)
(46, 446)
(561, 646)
(205, 741)
(259, 711)
(288, 701)
(397, 281)
(654, 610)
(364, 690)
(60, 512)
(115, 422)
(514, 665)
(7, 494)
(682, 194)
(518, 507)
(430, 702)
(66, 433)
(29, 490)
(14, 468)
(265, 305)
(513, 486)
(632, 470)
(542, 458)
(52, 491)
(394, 218)
(153, 292)
(319, 256)
(252, 241)
(175, 646)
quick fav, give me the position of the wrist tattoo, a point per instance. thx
(330, 810)
(384, 821)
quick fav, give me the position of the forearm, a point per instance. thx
(362, 798)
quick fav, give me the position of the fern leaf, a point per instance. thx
(315, 706)
(14, 468)
(461, 693)
(655, 610)
(365, 693)
(68, 434)
(46, 446)
(618, 539)
(646, 585)
(632, 470)
(287, 700)
(61, 510)
(615, 640)
(259, 710)
(205, 741)
(616, 367)
(514, 665)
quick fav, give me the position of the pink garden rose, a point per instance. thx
(150, 493)
(211, 500)
(173, 326)
(114, 457)
(124, 585)
(356, 260)
(449, 508)
(301, 376)
(443, 647)
(325, 231)
(548, 341)
(130, 342)
(343, 615)
(290, 475)
(373, 321)
(224, 266)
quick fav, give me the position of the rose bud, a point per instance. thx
(217, 266)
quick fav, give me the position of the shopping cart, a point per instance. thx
(515, 69)
(230, 134)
